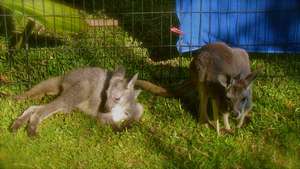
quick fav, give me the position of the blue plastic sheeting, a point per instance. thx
(256, 25)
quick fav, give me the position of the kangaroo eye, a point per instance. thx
(116, 99)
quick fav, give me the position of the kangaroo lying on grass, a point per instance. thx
(105, 95)
(221, 73)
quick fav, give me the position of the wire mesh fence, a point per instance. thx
(41, 38)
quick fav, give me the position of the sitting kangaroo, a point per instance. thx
(102, 94)
(221, 73)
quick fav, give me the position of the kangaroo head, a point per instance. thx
(120, 91)
(125, 110)
(239, 92)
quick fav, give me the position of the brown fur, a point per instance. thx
(212, 70)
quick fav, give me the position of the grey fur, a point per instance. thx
(87, 89)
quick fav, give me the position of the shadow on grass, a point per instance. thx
(149, 21)
(178, 158)
(43, 40)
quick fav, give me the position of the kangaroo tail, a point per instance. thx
(50, 86)
(153, 88)
(161, 91)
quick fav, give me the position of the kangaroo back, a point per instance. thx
(217, 59)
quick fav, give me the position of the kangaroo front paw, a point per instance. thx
(31, 131)
(16, 125)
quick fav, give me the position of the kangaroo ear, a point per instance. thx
(251, 77)
(137, 93)
(132, 81)
(119, 71)
(224, 81)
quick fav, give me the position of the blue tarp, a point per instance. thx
(271, 26)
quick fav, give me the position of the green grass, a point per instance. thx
(56, 17)
(167, 137)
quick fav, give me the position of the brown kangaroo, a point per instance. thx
(221, 73)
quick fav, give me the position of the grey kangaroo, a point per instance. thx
(221, 73)
(103, 94)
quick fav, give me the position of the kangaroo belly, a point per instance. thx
(86, 108)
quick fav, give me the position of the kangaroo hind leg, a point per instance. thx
(42, 113)
(23, 118)
(203, 98)
(66, 102)
(215, 108)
